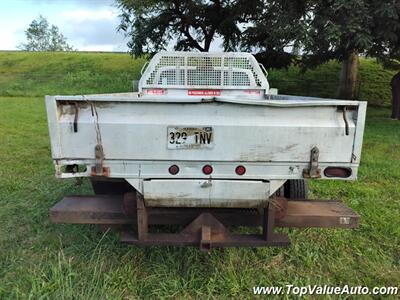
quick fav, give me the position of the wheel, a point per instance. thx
(110, 186)
(296, 189)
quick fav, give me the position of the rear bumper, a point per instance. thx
(109, 210)
(142, 170)
(206, 227)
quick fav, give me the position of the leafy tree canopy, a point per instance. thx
(41, 36)
(319, 30)
(276, 27)
(338, 28)
(191, 24)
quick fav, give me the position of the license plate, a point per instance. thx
(190, 137)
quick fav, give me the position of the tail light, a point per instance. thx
(173, 170)
(207, 169)
(240, 170)
(337, 172)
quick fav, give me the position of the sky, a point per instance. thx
(88, 25)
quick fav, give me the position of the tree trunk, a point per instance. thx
(348, 77)
(395, 84)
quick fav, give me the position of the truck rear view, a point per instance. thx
(205, 143)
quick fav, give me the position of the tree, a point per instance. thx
(319, 30)
(276, 27)
(191, 24)
(343, 30)
(264, 27)
(325, 30)
(43, 37)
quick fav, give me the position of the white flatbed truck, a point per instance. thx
(204, 143)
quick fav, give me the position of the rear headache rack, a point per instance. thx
(203, 74)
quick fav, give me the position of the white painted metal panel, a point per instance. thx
(241, 132)
(229, 96)
(193, 169)
(205, 193)
(53, 125)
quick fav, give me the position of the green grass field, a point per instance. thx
(41, 73)
(37, 74)
(40, 260)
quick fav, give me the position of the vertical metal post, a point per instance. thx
(268, 222)
(142, 218)
(205, 241)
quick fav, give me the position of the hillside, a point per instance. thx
(40, 73)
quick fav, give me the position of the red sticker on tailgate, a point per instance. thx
(155, 91)
(204, 92)
(252, 92)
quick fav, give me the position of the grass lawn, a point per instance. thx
(43, 260)
(50, 73)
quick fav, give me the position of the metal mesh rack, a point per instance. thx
(183, 70)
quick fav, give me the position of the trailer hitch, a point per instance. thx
(313, 171)
(205, 230)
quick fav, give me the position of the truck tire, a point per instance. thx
(296, 189)
(110, 186)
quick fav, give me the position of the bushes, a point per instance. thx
(373, 85)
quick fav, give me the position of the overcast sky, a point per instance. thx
(89, 25)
